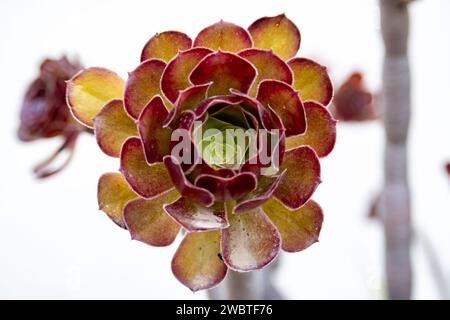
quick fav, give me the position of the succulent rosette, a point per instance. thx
(353, 101)
(44, 113)
(238, 209)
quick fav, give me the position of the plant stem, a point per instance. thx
(394, 204)
(255, 285)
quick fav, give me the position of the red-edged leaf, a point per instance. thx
(284, 100)
(176, 75)
(165, 45)
(277, 33)
(194, 193)
(148, 222)
(197, 218)
(311, 80)
(227, 188)
(299, 228)
(264, 191)
(251, 241)
(146, 180)
(225, 70)
(301, 179)
(188, 99)
(142, 85)
(89, 90)
(268, 65)
(155, 138)
(197, 263)
(321, 130)
(112, 195)
(205, 168)
(112, 126)
(224, 36)
(201, 109)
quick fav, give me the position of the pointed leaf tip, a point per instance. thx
(165, 45)
(311, 80)
(224, 36)
(276, 33)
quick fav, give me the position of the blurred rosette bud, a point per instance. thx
(44, 112)
(353, 101)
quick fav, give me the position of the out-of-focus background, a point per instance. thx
(54, 243)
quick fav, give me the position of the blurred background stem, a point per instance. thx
(255, 285)
(394, 204)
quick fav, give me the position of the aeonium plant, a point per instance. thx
(44, 113)
(221, 137)
(353, 101)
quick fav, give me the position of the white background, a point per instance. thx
(54, 243)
